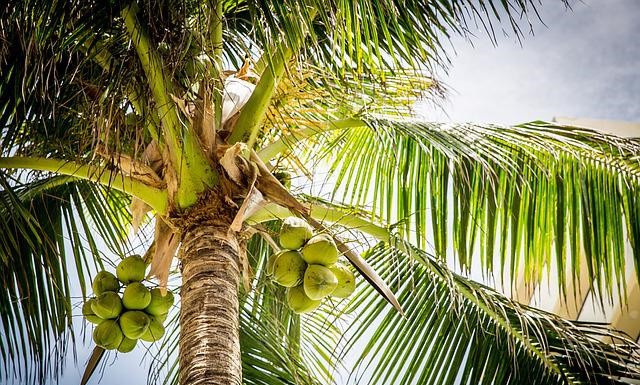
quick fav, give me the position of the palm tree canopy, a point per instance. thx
(86, 88)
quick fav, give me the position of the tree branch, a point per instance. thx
(324, 213)
(253, 113)
(215, 32)
(288, 141)
(154, 197)
(194, 171)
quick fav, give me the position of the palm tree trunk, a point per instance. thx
(209, 340)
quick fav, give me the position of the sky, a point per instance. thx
(583, 63)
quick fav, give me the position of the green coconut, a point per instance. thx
(136, 296)
(271, 262)
(346, 281)
(131, 269)
(320, 250)
(154, 332)
(294, 233)
(159, 304)
(127, 345)
(88, 313)
(107, 305)
(104, 281)
(134, 323)
(289, 268)
(319, 282)
(161, 317)
(108, 335)
(299, 302)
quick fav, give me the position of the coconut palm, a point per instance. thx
(206, 122)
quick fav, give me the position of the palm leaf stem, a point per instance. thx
(195, 173)
(324, 213)
(288, 141)
(255, 110)
(155, 197)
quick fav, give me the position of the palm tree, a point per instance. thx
(117, 112)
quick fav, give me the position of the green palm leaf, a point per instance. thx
(47, 250)
(519, 196)
(460, 332)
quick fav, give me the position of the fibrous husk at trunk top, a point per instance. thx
(131, 167)
(148, 170)
(236, 94)
(235, 165)
(139, 210)
(166, 244)
(240, 171)
(273, 190)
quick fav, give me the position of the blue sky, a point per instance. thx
(584, 63)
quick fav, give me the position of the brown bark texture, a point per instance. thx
(209, 339)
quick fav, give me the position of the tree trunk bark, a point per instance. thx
(209, 335)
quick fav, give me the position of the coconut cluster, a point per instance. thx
(308, 266)
(124, 309)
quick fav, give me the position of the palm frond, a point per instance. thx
(48, 249)
(520, 196)
(365, 37)
(460, 332)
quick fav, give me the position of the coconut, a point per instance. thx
(160, 317)
(107, 305)
(271, 262)
(108, 335)
(131, 269)
(288, 269)
(346, 281)
(159, 304)
(105, 281)
(294, 233)
(88, 313)
(134, 323)
(320, 250)
(136, 296)
(299, 302)
(127, 345)
(154, 332)
(319, 282)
